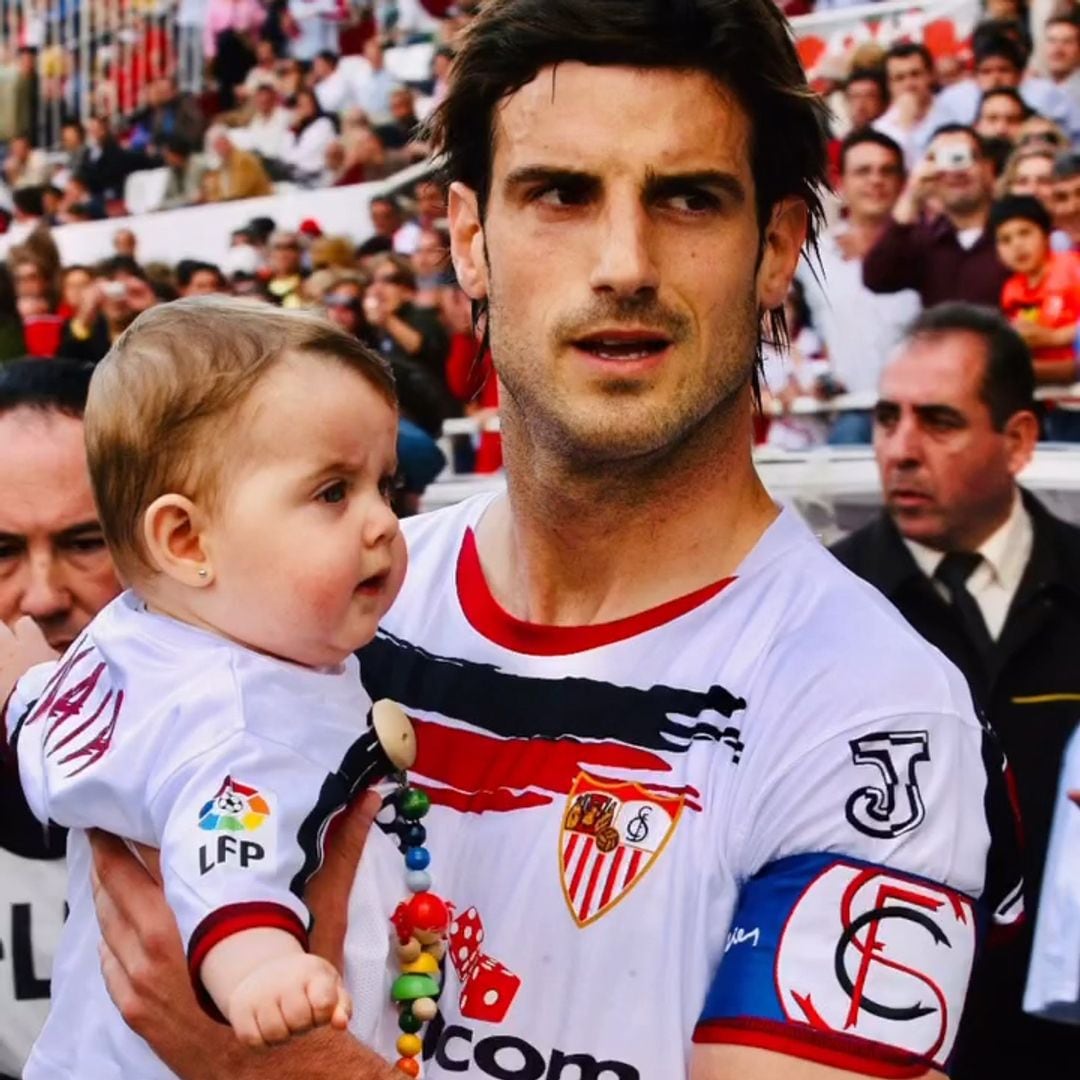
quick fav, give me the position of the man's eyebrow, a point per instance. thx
(12, 538)
(83, 528)
(657, 183)
(549, 174)
(939, 412)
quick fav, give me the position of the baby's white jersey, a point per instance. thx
(757, 814)
(1053, 986)
(228, 761)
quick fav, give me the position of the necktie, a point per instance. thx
(953, 572)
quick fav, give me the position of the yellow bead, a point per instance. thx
(423, 964)
(409, 1045)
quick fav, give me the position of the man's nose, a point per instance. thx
(625, 263)
(44, 595)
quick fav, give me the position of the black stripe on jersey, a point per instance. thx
(525, 706)
(365, 763)
(1003, 894)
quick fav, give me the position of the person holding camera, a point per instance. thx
(937, 241)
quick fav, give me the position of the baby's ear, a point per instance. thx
(173, 534)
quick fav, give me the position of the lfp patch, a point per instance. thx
(235, 808)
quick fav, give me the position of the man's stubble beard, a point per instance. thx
(597, 443)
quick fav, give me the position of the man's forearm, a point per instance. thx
(409, 339)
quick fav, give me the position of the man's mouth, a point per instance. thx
(623, 345)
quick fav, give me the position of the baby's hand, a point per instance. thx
(288, 996)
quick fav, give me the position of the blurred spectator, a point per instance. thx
(950, 256)
(229, 43)
(430, 261)
(286, 273)
(1042, 298)
(169, 115)
(344, 305)
(373, 91)
(31, 277)
(240, 174)
(1000, 62)
(1001, 114)
(1029, 171)
(312, 131)
(74, 282)
(1065, 196)
(125, 243)
(24, 166)
(909, 73)
(107, 309)
(419, 462)
(400, 130)
(263, 73)
(865, 97)
(27, 94)
(386, 217)
(329, 83)
(983, 571)
(1061, 51)
(331, 252)
(106, 165)
(73, 145)
(313, 25)
(12, 342)
(413, 341)
(268, 132)
(442, 66)
(858, 327)
(199, 278)
(184, 185)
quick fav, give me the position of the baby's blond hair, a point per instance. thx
(171, 382)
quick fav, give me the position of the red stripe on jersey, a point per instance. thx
(229, 920)
(632, 869)
(823, 1047)
(613, 876)
(598, 863)
(488, 618)
(568, 854)
(575, 881)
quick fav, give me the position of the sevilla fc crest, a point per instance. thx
(612, 833)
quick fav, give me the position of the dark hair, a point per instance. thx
(186, 270)
(1063, 20)
(179, 146)
(1000, 45)
(46, 385)
(1066, 165)
(869, 75)
(8, 308)
(374, 245)
(962, 129)
(403, 273)
(901, 50)
(120, 264)
(1008, 384)
(744, 45)
(1011, 207)
(29, 200)
(1006, 91)
(872, 137)
(329, 56)
(71, 122)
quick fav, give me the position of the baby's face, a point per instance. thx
(305, 550)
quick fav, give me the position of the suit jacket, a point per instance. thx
(1030, 693)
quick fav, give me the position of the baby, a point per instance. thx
(242, 460)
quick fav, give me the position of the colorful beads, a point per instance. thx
(421, 925)
(413, 803)
(417, 858)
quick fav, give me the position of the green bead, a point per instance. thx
(413, 803)
(407, 1022)
(412, 986)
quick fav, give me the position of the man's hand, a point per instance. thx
(919, 189)
(21, 647)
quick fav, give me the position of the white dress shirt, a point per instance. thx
(994, 582)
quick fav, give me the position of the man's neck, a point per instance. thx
(864, 229)
(583, 545)
(972, 219)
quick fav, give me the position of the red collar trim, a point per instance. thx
(488, 618)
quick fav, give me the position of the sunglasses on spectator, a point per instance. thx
(1034, 137)
(339, 301)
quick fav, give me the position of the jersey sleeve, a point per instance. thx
(25, 746)
(864, 860)
(1053, 983)
(241, 828)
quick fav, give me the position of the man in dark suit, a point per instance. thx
(983, 571)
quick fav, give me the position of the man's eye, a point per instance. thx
(693, 202)
(10, 551)
(334, 493)
(559, 196)
(86, 545)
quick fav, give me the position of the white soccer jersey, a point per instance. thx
(1053, 986)
(756, 814)
(229, 761)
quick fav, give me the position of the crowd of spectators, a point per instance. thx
(952, 184)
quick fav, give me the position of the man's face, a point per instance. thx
(124, 242)
(909, 75)
(430, 255)
(1062, 45)
(946, 474)
(430, 201)
(1022, 246)
(965, 181)
(265, 100)
(70, 138)
(284, 257)
(204, 283)
(1033, 177)
(320, 68)
(384, 218)
(1065, 204)
(995, 72)
(401, 106)
(54, 566)
(19, 148)
(871, 180)
(29, 280)
(386, 284)
(865, 102)
(621, 257)
(1000, 117)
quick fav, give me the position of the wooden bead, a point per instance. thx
(425, 1009)
(413, 803)
(436, 949)
(409, 1045)
(409, 1066)
(408, 952)
(408, 1022)
(395, 733)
